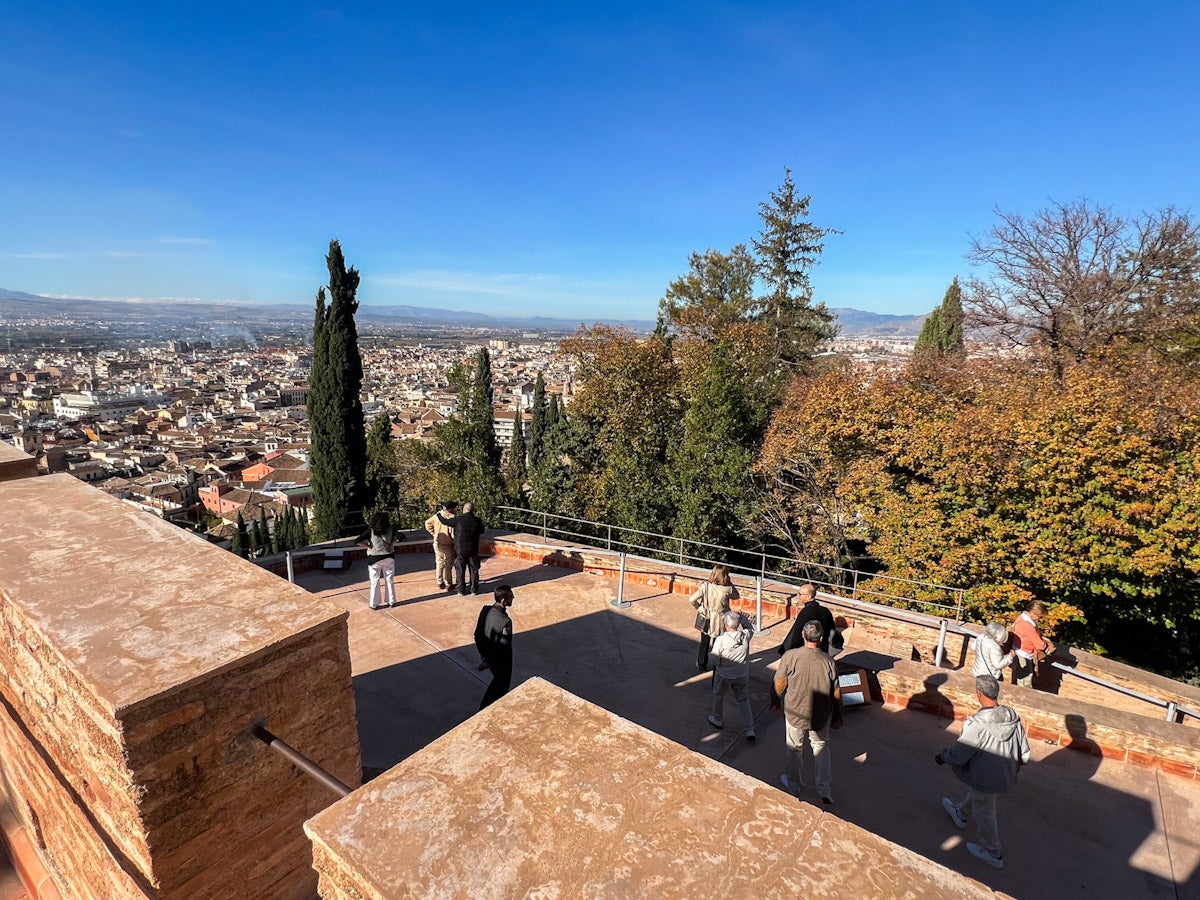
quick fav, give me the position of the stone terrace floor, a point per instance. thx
(1076, 825)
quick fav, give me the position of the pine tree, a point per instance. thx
(537, 425)
(335, 413)
(516, 469)
(241, 539)
(786, 250)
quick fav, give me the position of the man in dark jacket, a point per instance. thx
(808, 612)
(493, 639)
(468, 529)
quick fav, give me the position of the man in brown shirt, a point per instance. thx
(806, 686)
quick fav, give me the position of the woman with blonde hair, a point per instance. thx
(711, 600)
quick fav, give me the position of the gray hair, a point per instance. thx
(813, 632)
(996, 632)
(988, 686)
(732, 619)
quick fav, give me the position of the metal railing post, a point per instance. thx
(620, 602)
(958, 616)
(758, 625)
(681, 551)
(609, 546)
(543, 524)
(291, 568)
(941, 647)
(1172, 706)
(854, 584)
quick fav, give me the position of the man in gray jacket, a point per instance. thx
(985, 758)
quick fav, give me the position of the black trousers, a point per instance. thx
(702, 656)
(501, 681)
(464, 564)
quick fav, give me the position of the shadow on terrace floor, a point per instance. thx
(1075, 826)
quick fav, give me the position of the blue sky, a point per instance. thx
(563, 159)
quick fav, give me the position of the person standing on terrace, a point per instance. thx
(730, 657)
(493, 640)
(986, 758)
(810, 610)
(1028, 644)
(711, 600)
(990, 658)
(380, 541)
(443, 545)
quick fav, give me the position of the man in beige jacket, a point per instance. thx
(443, 546)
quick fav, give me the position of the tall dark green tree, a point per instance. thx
(708, 467)
(786, 250)
(942, 332)
(464, 457)
(241, 539)
(382, 494)
(335, 414)
(537, 425)
(256, 538)
(516, 471)
(265, 532)
(480, 414)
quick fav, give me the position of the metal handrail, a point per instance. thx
(1173, 709)
(678, 552)
(300, 761)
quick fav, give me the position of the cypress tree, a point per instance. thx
(537, 425)
(241, 539)
(516, 469)
(338, 433)
(382, 495)
(255, 539)
(942, 332)
(265, 531)
(480, 415)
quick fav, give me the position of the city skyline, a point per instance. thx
(551, 162)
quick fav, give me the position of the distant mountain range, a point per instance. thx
(17, 305)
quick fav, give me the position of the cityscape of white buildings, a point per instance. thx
(196, 434)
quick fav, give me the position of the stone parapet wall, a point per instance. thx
(129, 695)
(592, 805)
(1066, 722)
(15, 464)
(900, 639)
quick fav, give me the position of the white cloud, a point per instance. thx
(123, 254)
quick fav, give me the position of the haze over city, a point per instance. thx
(544, 160)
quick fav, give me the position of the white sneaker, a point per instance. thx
(984, 855)
(954, 813)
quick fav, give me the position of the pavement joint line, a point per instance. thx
(475, 673)
(1162, 808)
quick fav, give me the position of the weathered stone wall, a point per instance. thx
(136, 659)
(1067, 722)
(591, 805)
(900, 639)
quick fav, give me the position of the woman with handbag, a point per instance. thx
(711, 600)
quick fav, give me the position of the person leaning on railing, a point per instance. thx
(990, 658)
(1029, 647)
